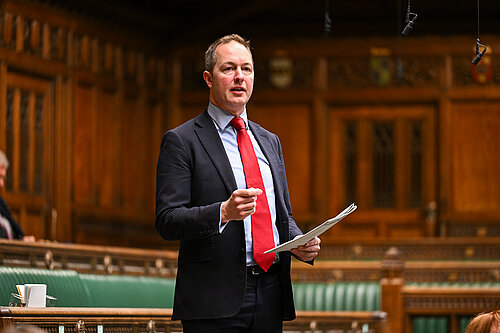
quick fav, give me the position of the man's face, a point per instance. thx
(231, 83)
(3, 174)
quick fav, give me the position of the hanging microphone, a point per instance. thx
(328, 20)
(410, 23)
(479, 54)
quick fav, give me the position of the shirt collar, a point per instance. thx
(223, 118)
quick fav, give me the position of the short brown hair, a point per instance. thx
(483, 322)
(211, 54)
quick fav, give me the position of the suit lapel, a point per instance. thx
(211, 142)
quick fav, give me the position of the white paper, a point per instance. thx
(35, 295)
(303, 239)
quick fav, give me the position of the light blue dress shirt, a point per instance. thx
(227, 133)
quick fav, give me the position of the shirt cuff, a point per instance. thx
(222, 226)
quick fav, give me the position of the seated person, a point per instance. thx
(9, 228)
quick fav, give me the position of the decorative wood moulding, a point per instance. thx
(486, 72)
(384, 71)
(458, 229)
(451, 249)
(89, 259)
(76, 49)
(372, 71)
(450, 300)
(81, 320)
(413, 272)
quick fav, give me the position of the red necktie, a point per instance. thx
(262, 230)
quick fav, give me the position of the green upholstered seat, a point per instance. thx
(433, 324)
(463, 322)
(468, 285)
(430, 324)
(339, 296)
(65, 285)
(129, 291)
(81, 290)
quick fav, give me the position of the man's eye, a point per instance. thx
(228, 69)
(247, 69)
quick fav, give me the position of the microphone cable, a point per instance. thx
(410, 21)
(479, 54)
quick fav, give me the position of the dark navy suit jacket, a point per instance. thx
(194, 177)
(17, 232)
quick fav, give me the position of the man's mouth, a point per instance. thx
(237, 89)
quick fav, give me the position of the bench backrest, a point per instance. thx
(88, 290)
(339, 296)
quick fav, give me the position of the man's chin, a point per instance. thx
(235, 107)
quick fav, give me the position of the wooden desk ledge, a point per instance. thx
(342, 316)
(86, 312)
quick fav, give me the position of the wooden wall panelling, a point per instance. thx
(83, 193)
(156, 132)
(476, 144)
(61, 227)
(90, 70)
(174, 92)
(473, 150)
(106, 157)
(403, 167)
(3, 110)
(319, 148)
(401, 219)
(444, 143)
(364, 168)
(131, 148)
(94, 72)
(142, 134)
(292, 124)
(29, 145)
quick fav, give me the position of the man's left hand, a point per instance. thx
(308, 251)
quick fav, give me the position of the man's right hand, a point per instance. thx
(240, 204)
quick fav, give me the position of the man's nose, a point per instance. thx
(238, 76)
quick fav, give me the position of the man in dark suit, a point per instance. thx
(9, 228)
(203, 200)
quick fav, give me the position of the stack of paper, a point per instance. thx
(33, 294)
(302, 240)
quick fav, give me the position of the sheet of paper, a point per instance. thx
(301, 240)
(35, 295)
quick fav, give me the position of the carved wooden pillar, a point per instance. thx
(391, 284)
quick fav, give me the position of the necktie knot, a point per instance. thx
(238, 123)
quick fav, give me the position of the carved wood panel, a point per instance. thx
(27, 142)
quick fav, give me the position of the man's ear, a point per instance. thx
(208, 78)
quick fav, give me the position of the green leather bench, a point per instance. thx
(366, 296)
(437, 324)
(66, 285)
(440, 324)
(339, 296)
(86, 290)
(427, 324)
(129, 291)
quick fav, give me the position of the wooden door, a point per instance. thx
(27, 141)
(383, 158)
